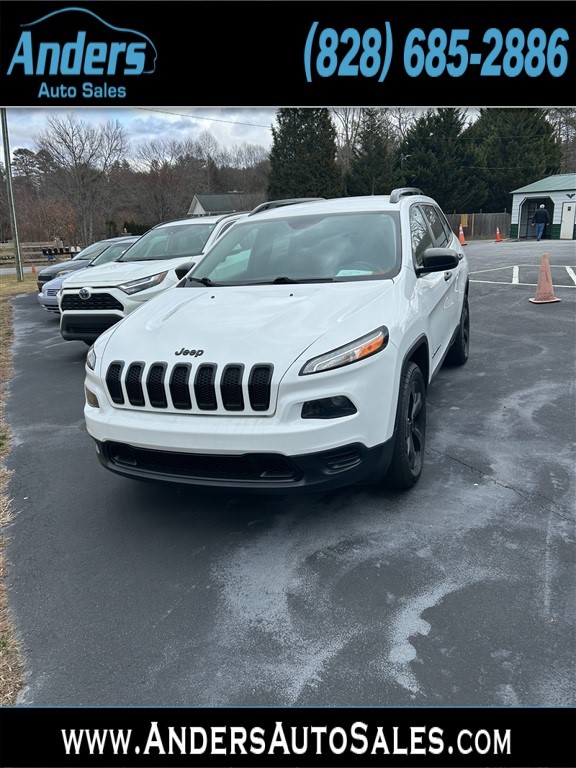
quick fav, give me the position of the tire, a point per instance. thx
(408, 456)
(458, 352)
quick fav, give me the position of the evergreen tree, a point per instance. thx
(373, 165)
(303, 155)
(518, 146)
(437, 156)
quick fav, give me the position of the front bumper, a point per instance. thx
(49, 303)
(78, 327)
(272, 472)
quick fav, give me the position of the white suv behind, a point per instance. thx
(296, 355)
(91, 303)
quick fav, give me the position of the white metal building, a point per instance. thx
(558, 194)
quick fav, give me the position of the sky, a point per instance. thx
(230, 127)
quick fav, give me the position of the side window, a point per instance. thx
(447, 227)
(434, 218)
(419, 234)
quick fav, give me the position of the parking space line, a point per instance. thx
(504, 282)
(510, 266)
(515, 278)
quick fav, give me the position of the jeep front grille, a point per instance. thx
(179, 387)
(114, 384)
(231, 388)
(205, 387)
(134, 384)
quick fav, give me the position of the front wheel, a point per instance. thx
(458, 352)
(408, 456)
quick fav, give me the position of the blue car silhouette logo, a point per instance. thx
(99, 48)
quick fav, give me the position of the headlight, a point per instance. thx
(64, 272)
(144, 282)
(350, 353)
(91, 358)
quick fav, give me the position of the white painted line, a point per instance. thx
(492, 269)
(533, 266)
(571, 273)
(531, 285)
(516, 275)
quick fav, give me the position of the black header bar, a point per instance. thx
(302, 737)
(278, 53)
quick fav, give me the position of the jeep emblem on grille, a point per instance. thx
(191, 352)
(84, 293)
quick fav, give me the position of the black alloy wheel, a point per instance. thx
(408, 457)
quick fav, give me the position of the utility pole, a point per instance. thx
(8, 167)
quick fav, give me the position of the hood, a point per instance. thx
(117, 272)
(53, 269)
(244, 324)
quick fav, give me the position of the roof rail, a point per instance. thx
(396, 194)
(279, 203)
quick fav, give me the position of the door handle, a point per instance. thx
(447, 275)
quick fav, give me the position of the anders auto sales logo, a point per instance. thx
(73, 53)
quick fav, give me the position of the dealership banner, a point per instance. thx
(411, 736)
(281, 53)
(278, 53)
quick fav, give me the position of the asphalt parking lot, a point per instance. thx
(459, 592)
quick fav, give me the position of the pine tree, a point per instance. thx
(303, 155)
(438, 157)
(517, 146)
(373, 169)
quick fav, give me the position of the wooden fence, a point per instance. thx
(36, 252)
(481, 226)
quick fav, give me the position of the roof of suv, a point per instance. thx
(391, 202)
(201, 220)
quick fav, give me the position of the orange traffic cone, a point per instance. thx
(544, 289)
(498, 237)
(33, 269)
(461, 236)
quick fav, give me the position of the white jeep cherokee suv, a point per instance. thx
(296, 355)
(91, 303)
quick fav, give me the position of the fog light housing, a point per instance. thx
(91, 398)
(328, 408)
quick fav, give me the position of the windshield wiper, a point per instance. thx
(280, 280)
(203, 280)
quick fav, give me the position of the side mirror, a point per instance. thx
(438, 260)
(183, 269)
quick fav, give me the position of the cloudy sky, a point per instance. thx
(230, 127)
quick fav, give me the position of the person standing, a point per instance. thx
(540, 219)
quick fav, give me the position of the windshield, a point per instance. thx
(325, 248)
(169, 242)
(112, 253)
(91, 251)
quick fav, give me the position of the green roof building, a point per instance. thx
(558, 194)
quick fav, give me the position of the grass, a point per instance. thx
(11, 662)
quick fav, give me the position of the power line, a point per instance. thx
(200, 117)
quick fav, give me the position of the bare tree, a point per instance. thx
(401, 120)
(173, 171)
(564, 122)
(82, 153)
(347, 121)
